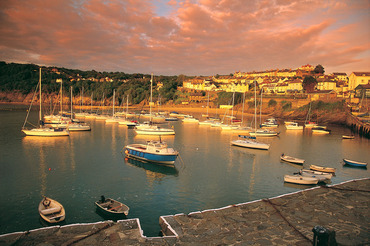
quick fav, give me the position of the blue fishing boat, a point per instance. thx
(354, 163)
(153, 151)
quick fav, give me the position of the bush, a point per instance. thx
(287, 106)
(272, 103)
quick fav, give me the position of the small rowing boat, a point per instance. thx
(322, 169)
(299, 179)
(291, 159)
(321, 176)
(348, 136)
(51, 210)
(354, 163)
(111, 206)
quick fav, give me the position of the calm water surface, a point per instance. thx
(77, 170)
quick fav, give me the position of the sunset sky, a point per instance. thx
(191, 37)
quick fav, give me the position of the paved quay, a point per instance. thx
(283, 220)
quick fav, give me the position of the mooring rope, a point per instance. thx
(286, 220)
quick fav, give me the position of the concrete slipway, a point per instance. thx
(282, 220)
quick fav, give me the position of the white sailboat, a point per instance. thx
(76, 126)
(125, 121)
(308, 123)
(150, 129)
(251, 142)
(113, 118)
(42, 131)
(261, 132)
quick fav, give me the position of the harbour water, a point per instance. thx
(210, 173)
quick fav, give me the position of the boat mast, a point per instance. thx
(61, 97)
(151, 97)
(92, 93)
(255, 106)
(71, 104)
(40, 114)
(114, 95)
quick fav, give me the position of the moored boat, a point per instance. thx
(293, 126)
(348, 136)
(249, 142)
(354, 163)
(321, 176)
(291, 159)
(320, 130)
(111, 206)
(299, 179)
(42, 130)
(152, 151)
(323, 169)
(51, 210)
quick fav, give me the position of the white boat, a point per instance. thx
(190, 119)
(51, 210)
(288, 122)
(152, 151)
(206, 122)
(76, 126)
(155, 130)
(291, 159)
(270, 122)
(150, 129)
(348, 136)
(308, 123)
(263, 133)
(249, 142)
(299, 179)
(320, 130)
(321, 176)
(42, 131)
(323, 169)
(293, 126)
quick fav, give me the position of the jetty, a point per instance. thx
(289, 219)
(358, 126)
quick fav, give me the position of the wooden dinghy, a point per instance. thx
(299, 179)
(111, 206)
(354, 163)
(348, 136)
(322, 169)
(51, 210)
(321, 176)
(291, 159)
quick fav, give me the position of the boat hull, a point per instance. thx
(46, 132)
(112, 207)
(250, 144)
(298, 179)
(155, 131)
(142, 154)
(292, 159)
(322, 169)
(52, 213)
(354, 163)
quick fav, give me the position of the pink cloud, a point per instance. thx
(204, 37)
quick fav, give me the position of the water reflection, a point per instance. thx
(154, 172)
(298, 186)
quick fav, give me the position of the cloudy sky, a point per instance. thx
(192, 37)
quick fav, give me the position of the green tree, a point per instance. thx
(309, 83)
(319, 69)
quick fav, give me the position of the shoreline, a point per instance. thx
(278, 220)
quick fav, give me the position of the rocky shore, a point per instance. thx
(342, 209)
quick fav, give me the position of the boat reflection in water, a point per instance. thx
(152, 169)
